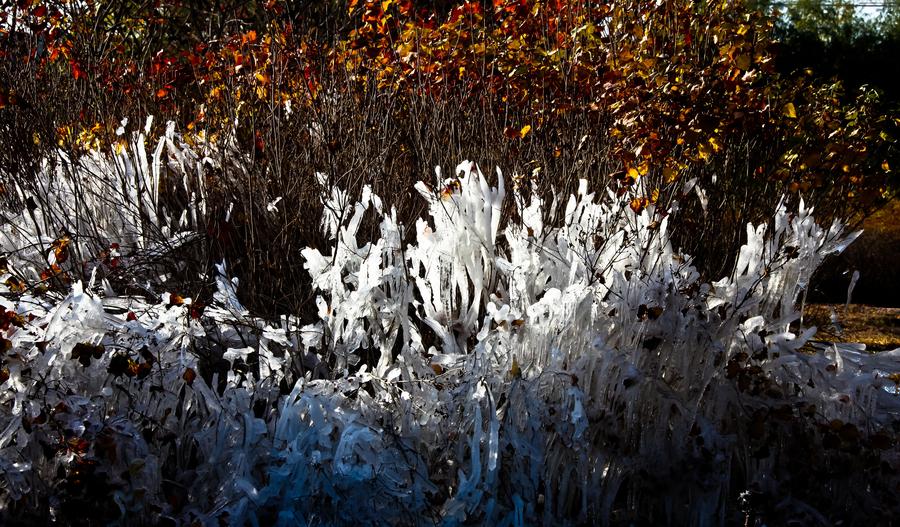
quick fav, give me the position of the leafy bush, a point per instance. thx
(551, 355)
(534, 373)
(629, 94)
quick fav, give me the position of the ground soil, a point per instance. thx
(876, 255)
(876, 327)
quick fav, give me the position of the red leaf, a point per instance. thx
(77, 72)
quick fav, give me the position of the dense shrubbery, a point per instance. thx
(376, 92)
(533, 373)
(507, 360)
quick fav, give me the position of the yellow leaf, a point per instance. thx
(524, 131)
(742, 61)
(515, 371)
(885, 166)
(404, 49)
(703, 151)
(789, 110)
(669, 174)
(633, 173)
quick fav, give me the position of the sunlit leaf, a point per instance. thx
(638, 204)
(789, 111)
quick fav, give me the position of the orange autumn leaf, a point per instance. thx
(60, 249)
(638, 205)
(77, 72)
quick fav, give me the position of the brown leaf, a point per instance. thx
(84, 352)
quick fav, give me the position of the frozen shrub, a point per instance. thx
(580, 373)
(110, 212)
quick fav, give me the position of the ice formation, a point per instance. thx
(511, 376)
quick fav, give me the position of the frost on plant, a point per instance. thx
(492, 371)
